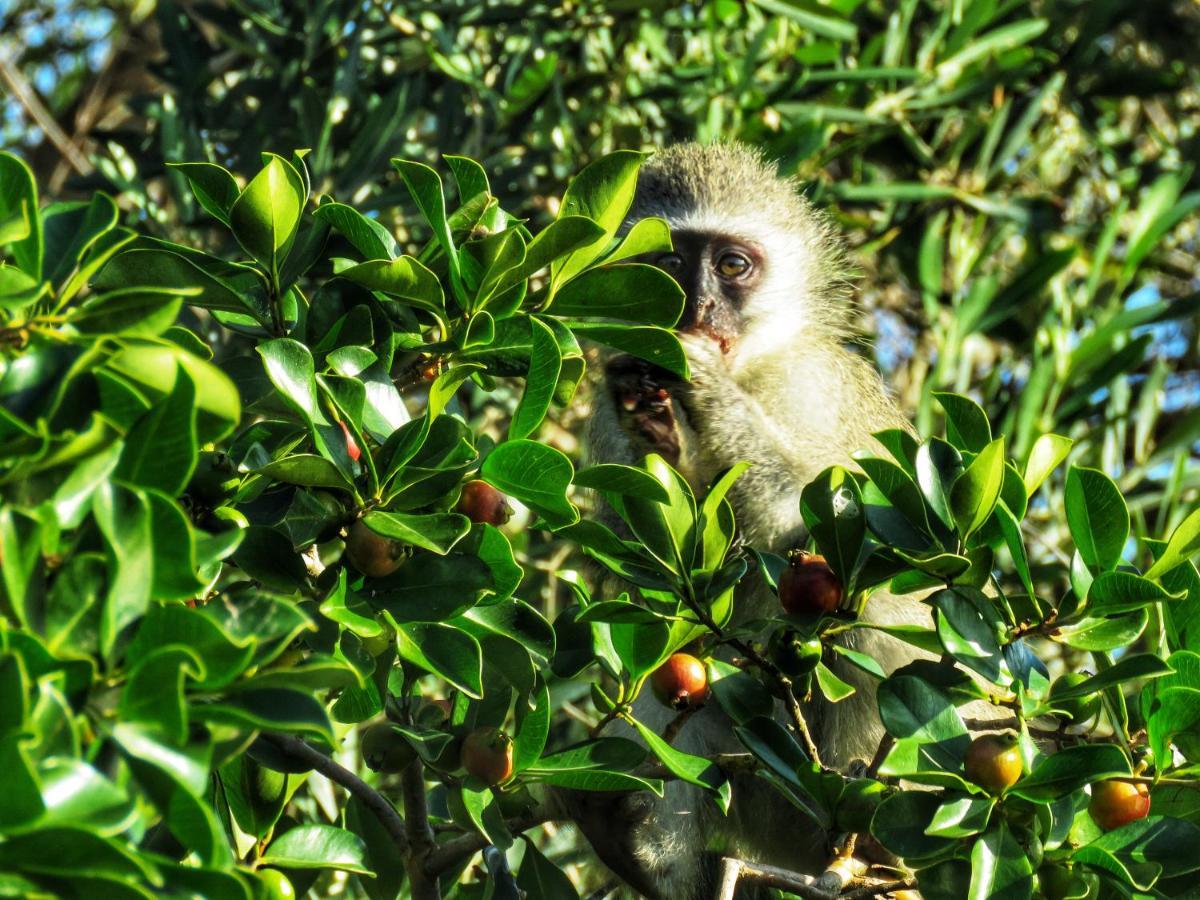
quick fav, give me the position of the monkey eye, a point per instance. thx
(732, 264)
(671, 263)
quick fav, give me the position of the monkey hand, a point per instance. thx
(712, 385)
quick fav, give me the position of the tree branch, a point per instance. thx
(28, 98)
(805, 886)
(449, 854)
(420, 833)
(378, 804)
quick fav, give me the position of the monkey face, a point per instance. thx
(719, 273)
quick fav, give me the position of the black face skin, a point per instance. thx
(717, 273)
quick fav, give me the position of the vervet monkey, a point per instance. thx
(772, 383)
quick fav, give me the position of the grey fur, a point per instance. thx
(792, 399)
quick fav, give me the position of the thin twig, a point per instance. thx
(773, 671)
(878, 889)
(28, 98)
(885, 747)
(454, 851)
(676, 724)
(339, 774)
(735, 870)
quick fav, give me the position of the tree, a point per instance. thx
(211, 382)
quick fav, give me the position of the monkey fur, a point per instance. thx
(774, 384)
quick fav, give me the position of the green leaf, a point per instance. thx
(1000, 867)
(154, 368)
(160, 448)
(545, 364)
(602, 192)
(306, 470)
(961, 817)
(1097, 516)
(648, 342)
(1128, 668)
(445, 651)
(538, 877)
(912, 709)
(832, 507)
(256, 794)
(20, 223)
(899, 825)
(23, 802)
(317, 847)
(977, 489)
(123, 516)
(1105, 634)
(535, 474)
(692, 769)
(649, 235)
(425, 187)
(560, 237)
(829, 26)
(938, 466)
(969, 626)
(1070, 769)
(140, 312)
(369, 237)
(621, 480)
(967, 426)
(1165, 842)
(1182, 545)
(405, 279)
(266, 555)
(208, 282)
(633, 292)
(832, 688)
(1119, 592)
(212, 185)
(1048, 452)
(433, 588)
(266, 214)
(436, 532)
(154, 691)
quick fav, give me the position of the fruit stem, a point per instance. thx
(769, 668)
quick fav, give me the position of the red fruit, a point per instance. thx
(1116, 803)
(487, 753)
(681, 682)
(483, 504)
(373, 554)
(808, 586)
(351, 444)
(993, 761)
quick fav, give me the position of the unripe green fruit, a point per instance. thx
(795, 654)
(373, 554)
(1074, 709)
(1115, 803)
(275, 885)
(993, 761)
(487, 753)
(384, 750)
(856, 807)
(681, 682)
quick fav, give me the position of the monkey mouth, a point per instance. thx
(642, 393)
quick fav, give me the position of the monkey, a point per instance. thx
(766, 328)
